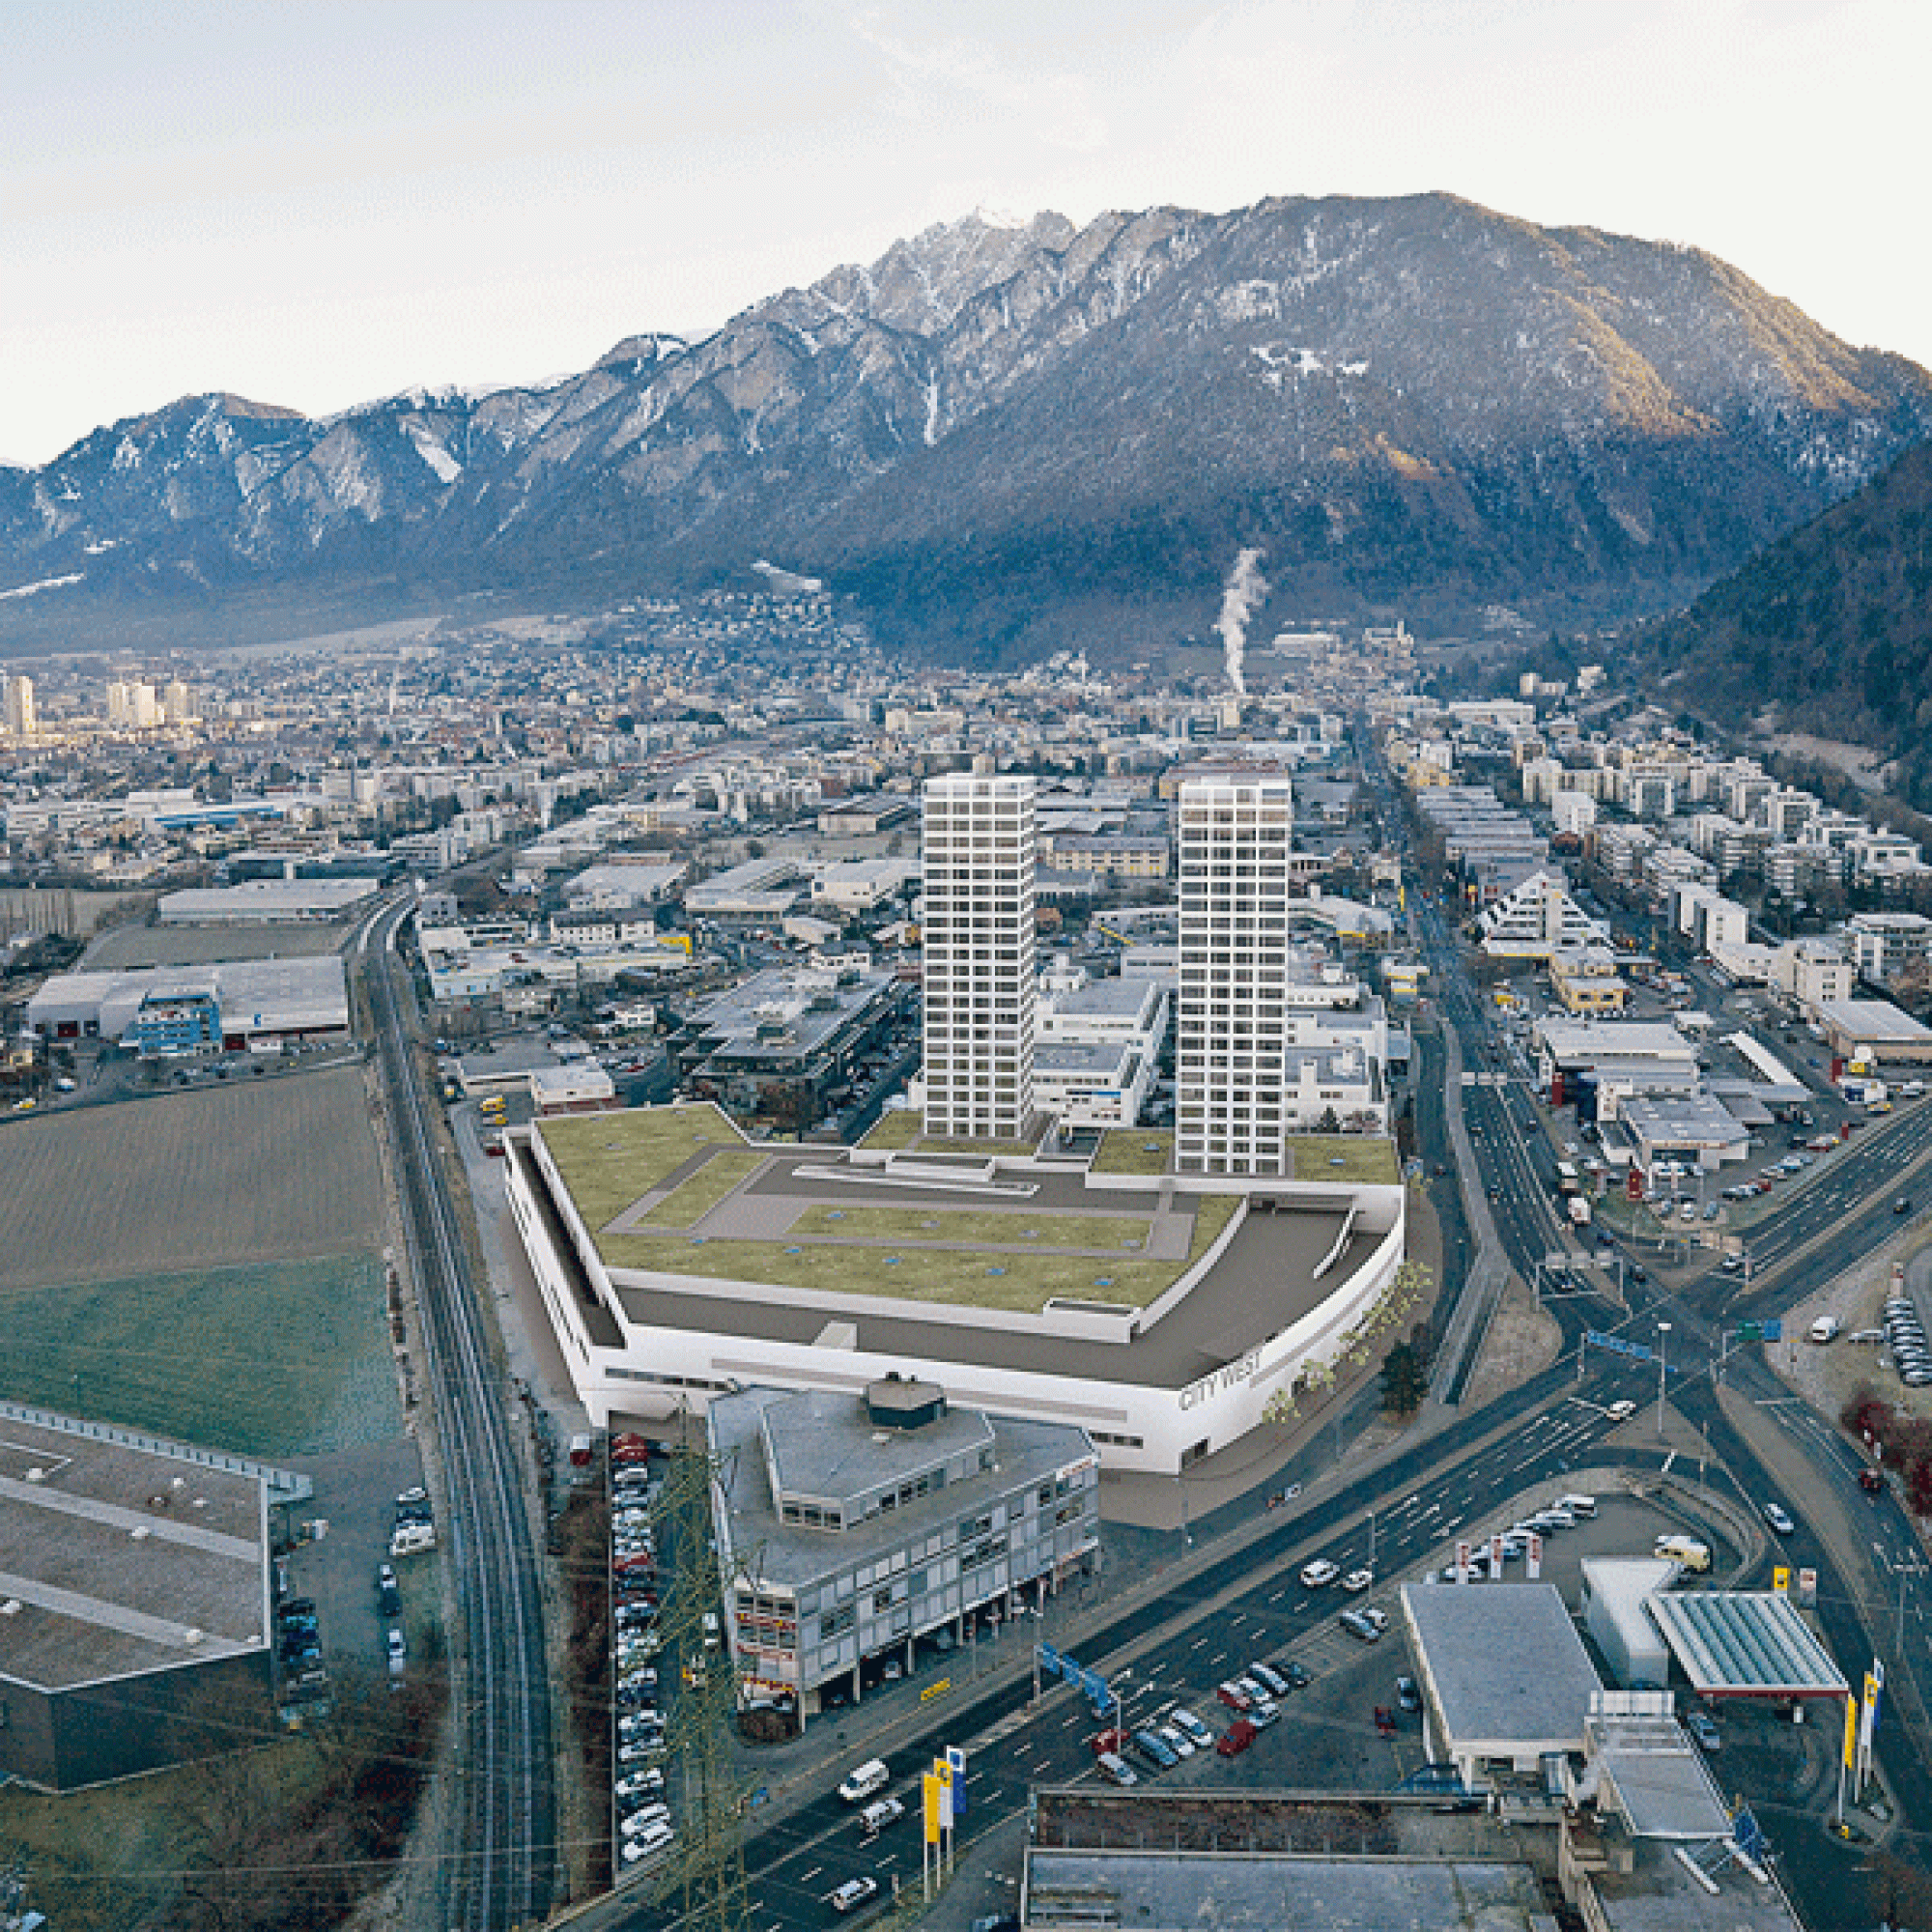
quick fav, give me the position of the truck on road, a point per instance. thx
(1580, 1211)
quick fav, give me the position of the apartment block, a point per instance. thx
(1234, 840)
(980, 850)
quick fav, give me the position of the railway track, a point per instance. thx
(495, 1863)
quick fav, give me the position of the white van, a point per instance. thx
(1826, 1329)
(1694, 1556)
(409, 1539)
(870, 1777)
(655, 1837)
(1582, 1507)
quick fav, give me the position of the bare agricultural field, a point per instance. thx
(127, 946)
(260, 1171)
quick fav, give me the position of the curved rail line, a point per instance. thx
(496, 1865)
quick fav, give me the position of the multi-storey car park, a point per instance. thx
(1159, 1311)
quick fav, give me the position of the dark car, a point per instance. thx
(1408, 1697)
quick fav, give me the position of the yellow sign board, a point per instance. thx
(933, 1690)
(1781, 1580)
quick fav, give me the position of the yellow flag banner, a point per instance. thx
(930, 1787)
(1851, 1732)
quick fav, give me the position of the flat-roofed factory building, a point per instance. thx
(134, 1603)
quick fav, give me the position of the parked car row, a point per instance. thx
(637, 1793)
(414, 1529)
(1905, 1337)
(298, 1643)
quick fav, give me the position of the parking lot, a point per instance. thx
(355, 1498)
(1327, 1736)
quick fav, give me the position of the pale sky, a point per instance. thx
(318, 204)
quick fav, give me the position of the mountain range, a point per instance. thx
(1827, 633)
(1001, 439)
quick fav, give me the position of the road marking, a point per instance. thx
(805, 1877)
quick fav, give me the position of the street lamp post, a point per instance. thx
(1663, 1338)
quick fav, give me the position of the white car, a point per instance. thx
(1319, 1572)
(1186, 1721)
(853, 1893)
(1358, 1580)
(1620, 1411)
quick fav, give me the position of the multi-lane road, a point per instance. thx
(1176, 1644)
(495, 1859)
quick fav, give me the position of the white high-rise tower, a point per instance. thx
(1236, 836)
(23, 720)
(978, 950)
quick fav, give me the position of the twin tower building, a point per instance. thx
(1234, 837)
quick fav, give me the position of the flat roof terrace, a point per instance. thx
(675, 1200)
(1263, 1283)
(122, 1560)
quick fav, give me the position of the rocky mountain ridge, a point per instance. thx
(1002, 438)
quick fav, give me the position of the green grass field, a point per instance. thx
(898, 1128)
(982, 1229)
(608, 1160)
(282, 1358)
(1349, 1158)
(1008, 1277)
(1133, 1151)
(215, 1178)
(690, 1201)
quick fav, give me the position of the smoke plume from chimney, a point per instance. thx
(1246, 586)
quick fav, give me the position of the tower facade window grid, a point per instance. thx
(979, 943)
(1234, 837)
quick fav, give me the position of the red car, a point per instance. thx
(1237, 1737)
(1234, 1697)
(1107, 1741)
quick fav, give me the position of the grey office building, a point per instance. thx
(851, 1526)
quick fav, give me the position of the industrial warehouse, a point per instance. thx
(164, 1011)
(134, 1629)
(1162, 1314)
